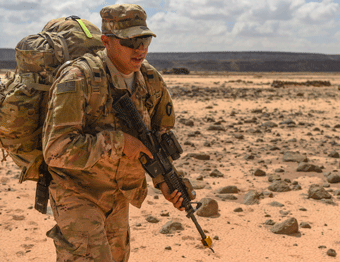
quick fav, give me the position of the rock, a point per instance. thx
(296, 187)
(198, 184)
(249, 156)
(336, 192)
(259, 172)
(251, 198)
(239, 136)
(269, 222)
(305, 225)
(269, 124)
(287, 122)
(216, 128)
(287, 227)
(238, 209)
(226, 197)
(227, 190)
(171, 227)
(152, 219)
(274, 177)
(334, 154)
(279, 170)
(276, 204)
(306, 167)
(333, 178)
(209, 208)
(290, 156)
(331, 252)
(216, 173)
(318, 192)
(199, 156)
(279, 186)
(186, 122)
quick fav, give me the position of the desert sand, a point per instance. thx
(231, 126)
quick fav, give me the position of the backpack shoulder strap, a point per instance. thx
(97, 84)
(152, 78)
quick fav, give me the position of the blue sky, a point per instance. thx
(199, 25)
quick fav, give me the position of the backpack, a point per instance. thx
(24, 94)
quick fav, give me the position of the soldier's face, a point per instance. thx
(126, 60)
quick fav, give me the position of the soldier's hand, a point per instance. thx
(133, 147)
(174, 197)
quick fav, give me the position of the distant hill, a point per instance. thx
(7, 58)
(228, 61)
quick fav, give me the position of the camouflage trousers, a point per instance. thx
(85, 233)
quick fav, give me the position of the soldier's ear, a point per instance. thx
(105, 40)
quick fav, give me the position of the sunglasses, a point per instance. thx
(135, 42)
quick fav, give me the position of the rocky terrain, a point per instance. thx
(263, 159)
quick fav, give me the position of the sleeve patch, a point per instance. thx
(66, 87)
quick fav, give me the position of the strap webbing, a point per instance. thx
(83, 26)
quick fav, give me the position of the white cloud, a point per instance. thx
(199, 25)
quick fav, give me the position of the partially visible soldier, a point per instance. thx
(91, 153)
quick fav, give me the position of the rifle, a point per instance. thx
(163, 148)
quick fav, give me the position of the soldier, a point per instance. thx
(92, 155)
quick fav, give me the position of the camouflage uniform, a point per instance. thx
(92, 183)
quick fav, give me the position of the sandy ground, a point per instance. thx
(240, 104)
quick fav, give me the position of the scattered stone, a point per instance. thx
(333, 178)
(199, 184)
(152, 219)
(186, 122)
(216, 128)
(199, 156)
(305, 225)
(269, 124)
(216, 173)
(290, 156)
(249, 156)
(331, 252)
(209, 208)
(279, 186)
(306, 167)
(318, 192)
(336, 192)
(238, 209)
(269, 222)
(279, 170)
(224, 197)
(268, 194)
(259, 172)
(252, 197)
(284, 213)
(287, 227)
(227, 190)
(296, 187)
(287, 122)
(239, 136)
(276, 204)
(165, 214)
(167, 248)
(274, 177)
(171, 227)
(334, 154)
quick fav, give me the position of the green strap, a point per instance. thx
(83, 26)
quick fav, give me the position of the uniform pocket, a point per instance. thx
(75, 244)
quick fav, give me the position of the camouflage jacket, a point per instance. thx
(83, 148)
